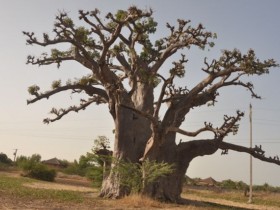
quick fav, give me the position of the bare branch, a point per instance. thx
(191, 134)
(255, 152)
(229, 126)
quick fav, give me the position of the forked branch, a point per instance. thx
(229, 126)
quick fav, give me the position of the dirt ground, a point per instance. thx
(75, 183)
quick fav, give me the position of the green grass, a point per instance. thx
(14, 187)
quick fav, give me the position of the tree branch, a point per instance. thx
(62, 112)
(184, 36)
(192, 149)
(192, 134)
(256, 152)
(90, 90)
(229, 126)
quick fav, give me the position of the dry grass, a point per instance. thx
(142, 202)
(16, 191)
(261, 200)
(138, 201)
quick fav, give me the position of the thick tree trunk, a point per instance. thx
(131, 134)
(169, 188)
(130, 143)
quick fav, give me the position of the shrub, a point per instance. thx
(228, 184)
(4, 159)
(41, 172)
(137, 176)
(95, 174)
(33, 168)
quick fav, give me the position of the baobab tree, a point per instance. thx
(125, 72)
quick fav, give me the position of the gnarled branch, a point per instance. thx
(255, 152)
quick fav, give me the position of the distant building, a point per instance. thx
(54, 162)
(207, 182)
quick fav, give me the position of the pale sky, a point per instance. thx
(241, 24)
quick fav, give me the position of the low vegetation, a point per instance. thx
(136, 176)
(33, 168)
(18, 189)
(12, 186)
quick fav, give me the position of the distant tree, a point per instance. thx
(95, 164)
(125, 71)
(4, 159)
(33, 168)
(35, 158)
(101, 153)
(64, 163)
(100, 158)
(27, 163)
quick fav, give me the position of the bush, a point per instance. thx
(137, 176)
(5, 160)
(41, 172)
(228, 184)
(4, 166)
(33, 168)
(95, 174)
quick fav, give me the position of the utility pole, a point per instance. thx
(251, 161)
(15, 154)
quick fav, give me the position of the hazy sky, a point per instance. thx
(241, 24)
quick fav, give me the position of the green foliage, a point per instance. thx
(137, 176)
(240, 185)
(130, 175)
(33, 90)
(73, 169)
(121, 15)
(232, 185)
(78, 168)
(68, 22)
(27, 163)
(95, 173)
(33, 168)
(178, 70)
(228, 184)
(81, 34)
(266, 188)
(42, 172)
(102, 142)
(87, 80)
(148, 25)
(55, 53)
(95, 164)
(148, 78)
(56, 84)
(14, 186)
(154, 170)
(5, 160)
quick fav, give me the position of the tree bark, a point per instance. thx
(131, 134)
(170, 188)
